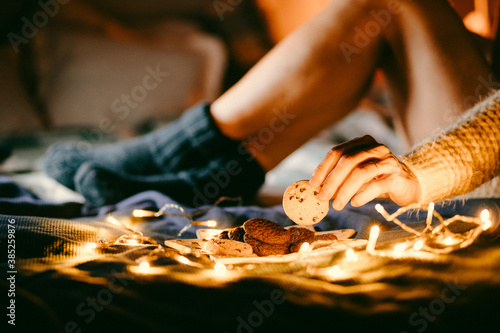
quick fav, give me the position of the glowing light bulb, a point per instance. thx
(211, 223)
(418, 245)
(485, 215)
(220, 267)
(114, 221)
(350, 255)
(143, 213)
(485, 218)
(486, 225)
(133, 242)
(379, 208)
(184, 260)
(448, 241)
(91, 246)
(430, 212)
(144, 267)
(304, 247)
(372, 240)
(399, 249)
(335, 272)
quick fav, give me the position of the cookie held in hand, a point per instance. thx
(301, 203)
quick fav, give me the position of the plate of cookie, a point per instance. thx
(259, 240)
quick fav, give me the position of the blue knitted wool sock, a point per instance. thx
(190, 141)
(237, 176)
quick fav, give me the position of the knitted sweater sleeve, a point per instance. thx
(462, 157)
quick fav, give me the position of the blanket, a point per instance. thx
(55, 283)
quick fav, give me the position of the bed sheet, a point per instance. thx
(63, 284)
(28, 149)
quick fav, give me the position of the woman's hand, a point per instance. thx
(361, 170)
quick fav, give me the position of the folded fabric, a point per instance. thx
(5, 151)
(61, 283)
(17, 200)
(190, 153)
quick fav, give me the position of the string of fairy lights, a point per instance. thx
(137, 238)
(436, 239)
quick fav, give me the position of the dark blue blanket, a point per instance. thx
(18, 201)
(59, 288)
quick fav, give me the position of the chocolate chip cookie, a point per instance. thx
(228, 247)
(325, 237)
(266, 231)
(224, 234)
(265, 249)
(236, 234)
(298, 234)
(301, 203)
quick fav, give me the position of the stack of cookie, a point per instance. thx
(264, 238)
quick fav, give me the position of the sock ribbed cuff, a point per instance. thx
(194, 137)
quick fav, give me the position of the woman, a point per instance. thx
(307, 82)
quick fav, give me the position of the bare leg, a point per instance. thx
(319, 74)
(307, 76)
(435, 69)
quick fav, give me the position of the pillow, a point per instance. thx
(113, 79)
(16, 111)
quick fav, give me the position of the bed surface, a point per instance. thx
(62, 283)
(69, 269)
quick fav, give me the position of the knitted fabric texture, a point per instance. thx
(461, 158)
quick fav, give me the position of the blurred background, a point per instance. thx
(102, 70)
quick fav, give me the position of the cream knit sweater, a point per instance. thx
(463, 157)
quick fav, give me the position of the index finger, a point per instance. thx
(325, 167)
(333, 156)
